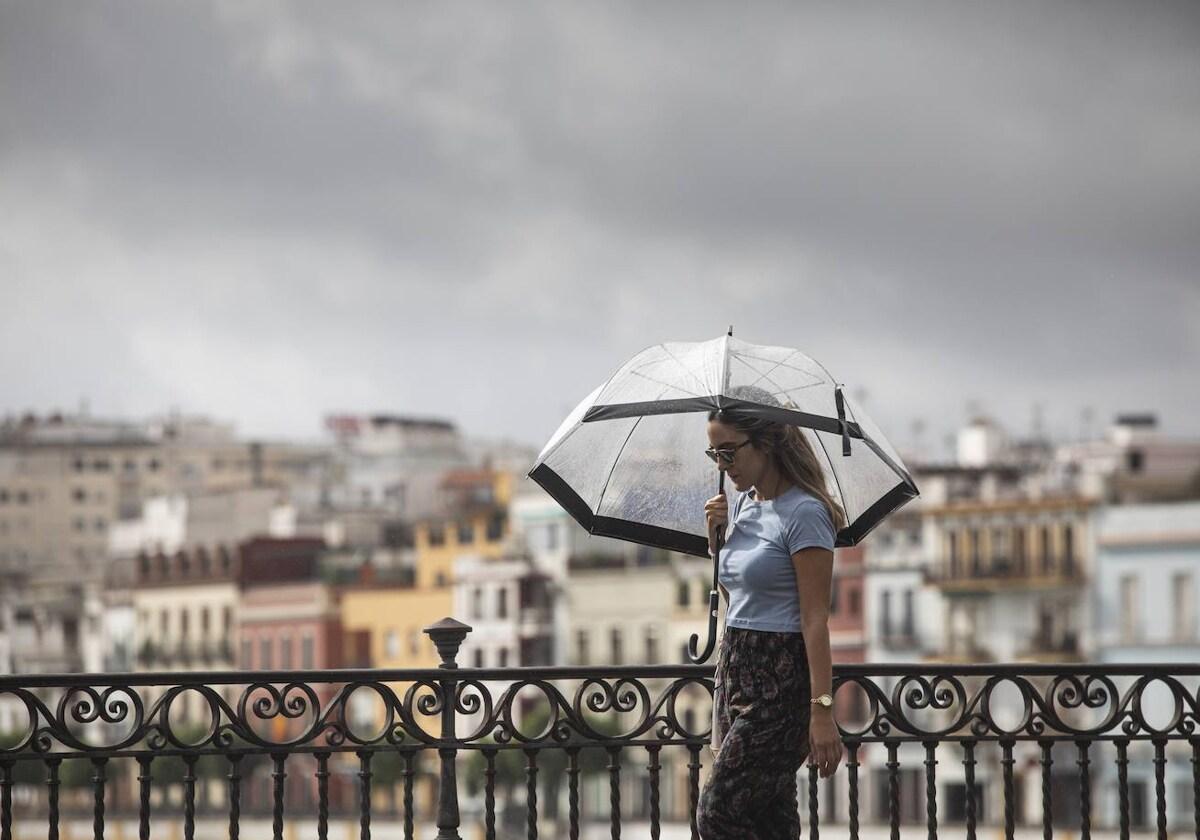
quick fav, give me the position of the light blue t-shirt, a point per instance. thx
(756, 562)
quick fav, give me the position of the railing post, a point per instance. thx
(447, 636)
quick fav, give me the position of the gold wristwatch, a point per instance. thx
(825, 701)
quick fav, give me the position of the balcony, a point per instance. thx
(1002, 574)
(566, 752)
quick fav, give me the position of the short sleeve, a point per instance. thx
(809, 526)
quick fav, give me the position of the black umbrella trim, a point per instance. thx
(607, 526)
(891, 501)
(623, 529)
(617, 411)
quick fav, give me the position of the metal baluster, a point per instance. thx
(531, 803)
(893, 768)
(409, 816)
(572, 793)
(931, 790)
(278, 775)
(969, 778)
(364, 794)
(235, 795)
(1085, 790)
(655, 816)
(6, 783)
(1160, 786)
(144, 780)
(1046, 761)
(693, 788)
(852, 777)
(189, 797)
(489, 794)
(98, 780)
(52, 785)
(814, 814)
(1196, 785)
(448, 636)
(1123, 785)
(614, 791)
(322, 795)
(1010, 815)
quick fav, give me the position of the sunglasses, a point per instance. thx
(725, 455)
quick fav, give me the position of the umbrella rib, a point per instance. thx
(613, 469)
(684, 367)
(741, 357)
(782, 391)
(664, 384)
(772, 370)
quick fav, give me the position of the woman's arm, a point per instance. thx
(814, 586)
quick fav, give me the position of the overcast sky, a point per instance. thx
(268, 212)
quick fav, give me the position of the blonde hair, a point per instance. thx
(791, 451)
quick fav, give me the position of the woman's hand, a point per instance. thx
(716, 512)
(824, 742)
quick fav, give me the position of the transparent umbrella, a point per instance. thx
(629, 461)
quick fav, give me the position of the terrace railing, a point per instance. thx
(588, 751)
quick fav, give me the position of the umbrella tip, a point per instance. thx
(730, 333)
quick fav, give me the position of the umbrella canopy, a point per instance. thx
(629, 461)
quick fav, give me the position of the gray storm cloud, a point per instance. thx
(275, 211)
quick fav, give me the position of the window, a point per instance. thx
(1044, 549)
(502, 602)
(495, 527)
(204, 618)
(1135, 459)
(1130, 615)
(247, 652)
(854, 601)
(503, 657)
(437, 534)
(308, 659)
(906, 626)
(478, 657)
(885, 614)
(1183, 612)
(153, 465)
(184, 623)
(477, 602)
(1068, 549)
(79, 494)
(264, 655)
(651, 645)
(683, 594)
(163, 618)
(227, 620)
(285, 653)
(1018, 543)
(439, 580)
(581, 647)
(101, 465)
(552, 537)
(466, 533)
(616, 646)
(976, 555)
(391, 644)
(954, 559)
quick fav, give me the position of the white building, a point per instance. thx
(1147, 585)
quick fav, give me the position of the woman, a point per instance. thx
(772, 704)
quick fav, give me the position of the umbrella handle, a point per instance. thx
(713, 597)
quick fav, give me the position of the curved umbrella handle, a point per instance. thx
(713, 597)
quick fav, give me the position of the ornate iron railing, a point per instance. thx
(948, 748)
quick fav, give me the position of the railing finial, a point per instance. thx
(448, 635)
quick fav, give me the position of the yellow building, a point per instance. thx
(476, 524)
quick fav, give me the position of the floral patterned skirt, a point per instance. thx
(761, 713)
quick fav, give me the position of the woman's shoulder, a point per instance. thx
(798, 503)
